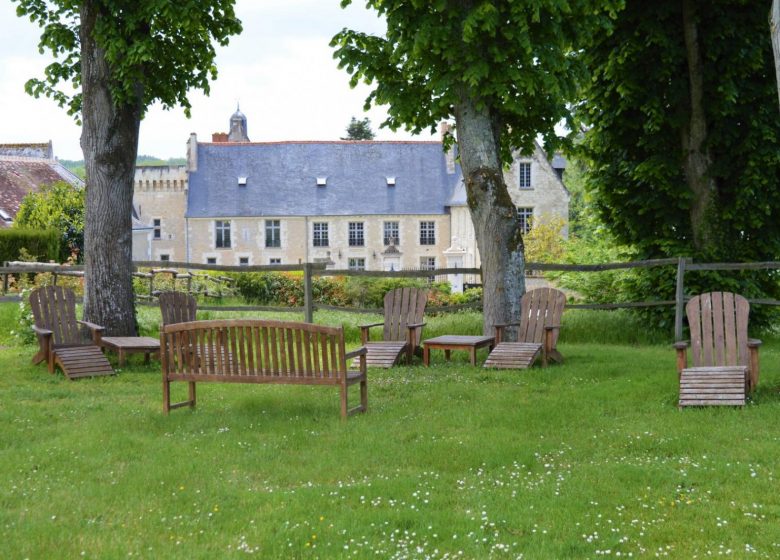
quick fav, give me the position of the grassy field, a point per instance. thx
(587, 459)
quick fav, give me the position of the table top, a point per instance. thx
(131, 341)
(464, 340)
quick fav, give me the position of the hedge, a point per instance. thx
(42, 245)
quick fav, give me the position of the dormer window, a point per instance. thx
(322, 181)
(242, 181)
(391, 181)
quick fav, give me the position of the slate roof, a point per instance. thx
(19, 176)
(281, 179)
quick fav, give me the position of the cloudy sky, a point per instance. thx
(280, 69)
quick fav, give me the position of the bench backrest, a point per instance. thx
(250, 347)
(719, 325)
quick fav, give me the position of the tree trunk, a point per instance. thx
(774, 28)
(493, 213)
(109, 139)
(697, 160)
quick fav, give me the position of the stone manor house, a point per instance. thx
(372, 205)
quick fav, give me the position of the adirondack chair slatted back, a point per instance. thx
(255, 348)
(718, 322)
(54, 308)
(177, 307)
(540, 308)
(404, 306)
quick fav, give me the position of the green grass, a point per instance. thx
(451, 461)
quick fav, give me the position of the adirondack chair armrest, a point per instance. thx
(355, 353)
(364, 334)
(96, 330)
(415, 325)
(412, 327)
(500, 327)
(552, 327)
(41, 331)
(682, 354)
(754, 343)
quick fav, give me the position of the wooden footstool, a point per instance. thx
(456, 342)
(132, 344)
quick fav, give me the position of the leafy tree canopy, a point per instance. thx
(638, 105)
(158, 48)
(514, 58)
(359, 130)
(58, 206)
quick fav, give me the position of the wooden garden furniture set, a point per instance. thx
(724, 371)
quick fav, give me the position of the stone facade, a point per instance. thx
(243, 203)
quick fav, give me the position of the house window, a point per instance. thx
(157, 224)
(427, 233)
(357, 263)
(273, 233)
(275, 261)
(165, 257)
(356, 238)
(525, 218)
(211, 260)
(320, 234)
(391, 233)
(524, 175)
(427, 263)
(243, 261)
(222, 234)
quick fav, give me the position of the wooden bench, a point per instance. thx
(259, 351)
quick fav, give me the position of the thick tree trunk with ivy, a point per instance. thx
(774, 28)
(697, 160)
(494, 216)
(109, 139)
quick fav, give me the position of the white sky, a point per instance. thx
(280, 69)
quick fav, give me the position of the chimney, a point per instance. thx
(192, 152)
(218, 137)
(445, 130)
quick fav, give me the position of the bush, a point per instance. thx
(41, 245)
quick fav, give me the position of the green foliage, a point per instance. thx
(637, 109)
(514, 59)
(359, 130)
(159, 48)
(39, 244)
(59, 206)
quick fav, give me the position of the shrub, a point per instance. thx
(40, 245)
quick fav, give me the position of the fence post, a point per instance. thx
(679, 300)
(308, 300)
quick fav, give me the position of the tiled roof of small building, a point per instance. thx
(19, 176)
(282, 179)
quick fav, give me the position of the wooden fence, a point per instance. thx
(310, 270)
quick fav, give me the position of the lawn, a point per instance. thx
(587, 459)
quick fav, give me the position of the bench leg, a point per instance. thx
(166, 396)
(426, 356)
(343, 390)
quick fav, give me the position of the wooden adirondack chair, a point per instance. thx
(404, 310)
(62, 341)
(177, 307)
(539, 327)
(725, 360)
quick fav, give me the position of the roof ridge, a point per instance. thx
(282, 142)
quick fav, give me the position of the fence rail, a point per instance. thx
(311, 270)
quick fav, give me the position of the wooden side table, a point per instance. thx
(131, 344)
(456, 342)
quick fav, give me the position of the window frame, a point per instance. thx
(359, 231)
(386, 239)
(427, 232)
(156, 229)
(221, 240)
(320, 238)
(273, 234)
(356, 263)
(525, 216)
(524, 182)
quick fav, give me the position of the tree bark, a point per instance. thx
(493, 213)
(109, 139)
(697, 161)
(774, 28)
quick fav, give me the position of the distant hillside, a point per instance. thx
(77, 166)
